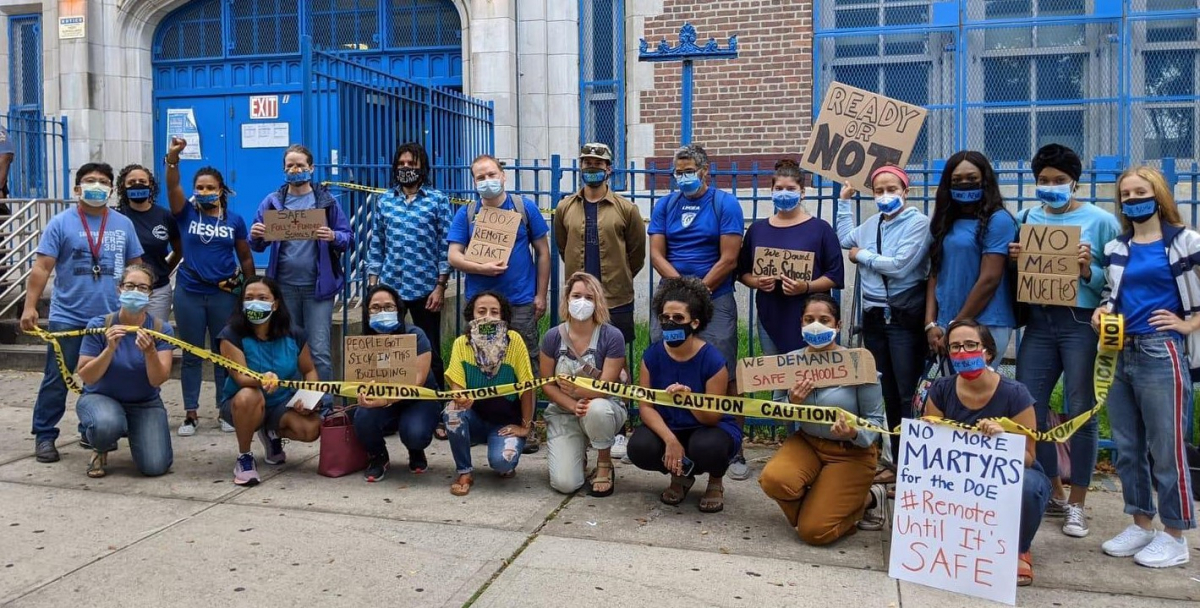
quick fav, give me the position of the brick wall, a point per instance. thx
(759, 103)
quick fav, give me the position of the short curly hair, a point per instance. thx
(690, 291)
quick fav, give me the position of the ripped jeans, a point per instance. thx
(503, 452)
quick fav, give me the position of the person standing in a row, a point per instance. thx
(156, 231)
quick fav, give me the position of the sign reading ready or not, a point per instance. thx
(857, 132)
(381, 358)
(494, 235)
(772, 262)
(1048, 267)
(299, 225)
(842, 367)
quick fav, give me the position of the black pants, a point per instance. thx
(623, 321)
(900, 358)
(707, 446)
(430, 322)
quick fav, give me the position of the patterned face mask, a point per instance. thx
(489, 340)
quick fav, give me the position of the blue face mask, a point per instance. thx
(968, 365)
(300, 177)
(134, 301)
(595, 177)
(1055, 197)
(966, 195)
(785, 200)
(889, 203)
(818, 334)
(208, 201)
(1139, 210)
(385, 322)
(489, 188)
(137, 195)
(257, 311)
(689, 183)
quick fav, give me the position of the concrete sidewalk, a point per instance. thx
(193, 539)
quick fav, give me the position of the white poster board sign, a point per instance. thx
(958, 510)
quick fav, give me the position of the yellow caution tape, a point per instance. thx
(369, 189)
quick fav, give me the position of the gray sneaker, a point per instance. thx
(45, 451)
(738, 469)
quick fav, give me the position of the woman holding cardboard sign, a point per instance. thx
(375, 419)
(822, 475)
(978, 395)
(1154, 282)
(1059, 340)
(968, 258)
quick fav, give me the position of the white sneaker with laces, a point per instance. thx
(1076, 523)
(188, 428)
(1130, 541)
(1165, 551)
(620, 446)
(226, 427)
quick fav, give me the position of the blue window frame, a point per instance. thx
(25, 65)
(602, 78)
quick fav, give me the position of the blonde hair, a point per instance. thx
(601, 315)
(1167, 209)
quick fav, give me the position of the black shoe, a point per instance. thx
(45, 451)
(83, 443)
(531, 446)
(417, 463)
(377, 467)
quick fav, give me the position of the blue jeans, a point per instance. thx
(1059, 340)
(766, 346)
(198, 315)
(415, 421)
(1002, 335)
(1035, 493)
(51, 401)
(900, 354)
(314, 317)
(503, 452)
(105, 420)
(1146, 409)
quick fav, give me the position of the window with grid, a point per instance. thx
(1164, 74)
(25, 65)
(265, 27)
(194, 33)
(602, 75)
(344, 25)
(423, 23)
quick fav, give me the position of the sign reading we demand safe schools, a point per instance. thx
(958, 510)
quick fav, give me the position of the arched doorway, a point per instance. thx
(230, 74)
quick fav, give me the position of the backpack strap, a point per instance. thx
(473, 209)
(109, 319)
(564, 342)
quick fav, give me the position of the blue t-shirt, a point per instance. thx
(519, 282)
(281, 355)
(298, 259)
(209, 256)
(126, 379)
(6, 144)
(959, 271)
(1147, 286)
(694, 374)
(1096, 227)
(694, 232)
(78, 295)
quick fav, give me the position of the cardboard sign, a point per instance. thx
(494, 235)
(958, 510)
(293, 225)
(772, 262)
(829, 368)
(1048, 266)
(857, 132)
(381, 358)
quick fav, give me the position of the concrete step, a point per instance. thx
(10, 332)
(32, 358)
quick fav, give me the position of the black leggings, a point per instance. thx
(708, 447)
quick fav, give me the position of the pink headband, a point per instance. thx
(894, 170)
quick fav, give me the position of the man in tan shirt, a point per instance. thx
(600, 232)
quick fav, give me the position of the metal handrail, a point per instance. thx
(20, 233)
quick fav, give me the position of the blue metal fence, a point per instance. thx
(40, 166)
(602, 78)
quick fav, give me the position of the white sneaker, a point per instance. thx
(188, 428)
(738, 469)
(619, 446)
(1164, 552)
(876, 517)
(226, 427)
(1076, 523)
(1132, 540)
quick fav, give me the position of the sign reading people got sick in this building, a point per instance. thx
(857, 132)
(958, 510)
(1048, 267)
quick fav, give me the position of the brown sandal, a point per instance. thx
(1024, 569)
(95, 468)
(460, 488)
(713, 500)
(677, 491)
(601, 477)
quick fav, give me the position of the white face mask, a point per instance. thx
(95, 194)
(581, 309)
(818, 335)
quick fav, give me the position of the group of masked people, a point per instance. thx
(929, 285)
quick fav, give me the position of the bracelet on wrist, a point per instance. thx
(930, 326)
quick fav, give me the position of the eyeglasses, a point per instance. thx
(146, 289)
(385, 308)
(969, 346)
(679, 174)
(675, 318)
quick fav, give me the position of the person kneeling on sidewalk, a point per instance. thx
(821, 477)
(122, 373)
(375, 419)
(489, 355)
(262, 338)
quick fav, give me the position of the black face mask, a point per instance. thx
(675, 334)
(407, 176)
